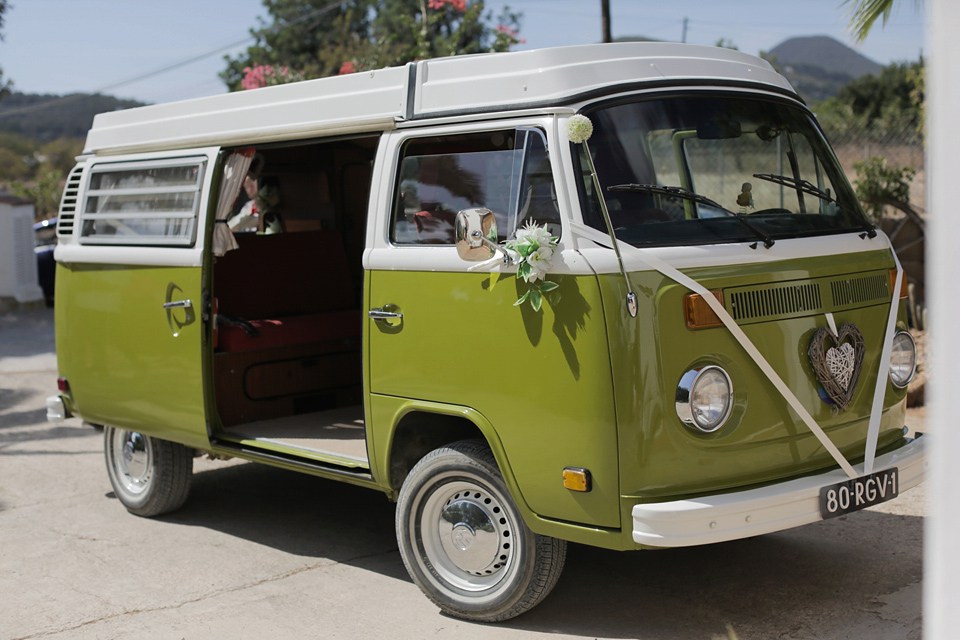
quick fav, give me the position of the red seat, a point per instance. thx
(292, 288)
(339, 328)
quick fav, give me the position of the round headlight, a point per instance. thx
(903, 359)
(704, 398)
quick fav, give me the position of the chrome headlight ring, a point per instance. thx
(704, 398)
(903, 359)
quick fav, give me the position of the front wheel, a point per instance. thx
(463, 541)
(150, 477)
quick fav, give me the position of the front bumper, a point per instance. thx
(742, 514)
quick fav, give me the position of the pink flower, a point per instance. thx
(256, 76)
(348, 67)
(458, 5)
(510, 32)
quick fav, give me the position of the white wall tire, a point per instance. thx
(463, 541)
(150, 477)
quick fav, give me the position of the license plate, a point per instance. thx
(859, 493)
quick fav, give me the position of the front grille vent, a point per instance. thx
(774, 301)
(854, 291)
(68, 204)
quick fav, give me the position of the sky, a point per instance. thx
(158, 51)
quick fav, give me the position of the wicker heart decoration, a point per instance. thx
(836, 361)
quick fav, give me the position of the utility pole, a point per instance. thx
(683, 38)
(605, 20)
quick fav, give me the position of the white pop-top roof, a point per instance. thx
(377, 100)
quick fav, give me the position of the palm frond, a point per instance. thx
(866, 12)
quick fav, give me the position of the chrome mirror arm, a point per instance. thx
(493, 246)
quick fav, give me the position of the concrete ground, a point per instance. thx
(259, 552)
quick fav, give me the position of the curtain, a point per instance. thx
(234, 171)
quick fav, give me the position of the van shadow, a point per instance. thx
(763, 587)
(805, 583)
(295, 513)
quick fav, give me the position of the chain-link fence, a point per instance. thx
(901, 146)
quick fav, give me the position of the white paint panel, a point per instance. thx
(478, 82)
(377, 100)
(71, 250)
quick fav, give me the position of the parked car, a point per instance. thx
(45, 241)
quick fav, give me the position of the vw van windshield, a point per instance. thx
(709, 168)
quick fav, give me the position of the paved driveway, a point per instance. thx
(258, 552)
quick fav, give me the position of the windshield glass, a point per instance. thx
(680, 170)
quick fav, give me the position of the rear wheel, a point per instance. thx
(150, 477)
(463, 541)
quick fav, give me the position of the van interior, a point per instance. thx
(287, 365)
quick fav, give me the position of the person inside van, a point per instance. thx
(259, 213)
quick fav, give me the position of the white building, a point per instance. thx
(18, 266)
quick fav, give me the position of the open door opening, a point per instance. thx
(287, 361)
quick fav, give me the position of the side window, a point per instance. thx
(143, 203)
(505, 171)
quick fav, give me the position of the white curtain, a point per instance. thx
(234, 171)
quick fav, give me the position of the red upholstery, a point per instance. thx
(334, 327)
(293, 288)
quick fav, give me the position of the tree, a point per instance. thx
(317, 38)
(37, 173)
(867, 12)
(877, 106)
(44, 191)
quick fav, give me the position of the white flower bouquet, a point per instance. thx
(532, 250)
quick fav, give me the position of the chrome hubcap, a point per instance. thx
(133, 460)
(467, 536)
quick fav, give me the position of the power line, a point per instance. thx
(176, 65)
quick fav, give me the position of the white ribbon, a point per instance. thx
(873, 428)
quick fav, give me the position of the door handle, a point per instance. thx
(383, 314)
(178, 304)
(388, 318)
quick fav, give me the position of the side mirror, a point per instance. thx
(475, 233)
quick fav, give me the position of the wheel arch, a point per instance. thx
(420, 427)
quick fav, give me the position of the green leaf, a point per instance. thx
(524, 271)
(546, 286)
(522, 299)
(536, 299)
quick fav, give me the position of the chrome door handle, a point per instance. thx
(383, 314)
(178, 304)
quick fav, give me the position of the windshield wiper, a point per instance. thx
(809, 188)
(800, 184)
(680, 192)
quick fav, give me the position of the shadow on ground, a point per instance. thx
(692, 592)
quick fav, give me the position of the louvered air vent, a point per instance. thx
(854, 291)
(774, 301)
(68, 204)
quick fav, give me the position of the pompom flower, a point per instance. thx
(579, 128)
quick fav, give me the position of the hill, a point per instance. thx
(818, 66)
(826, 53)
(42, 117)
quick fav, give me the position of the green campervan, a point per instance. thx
(620, 295)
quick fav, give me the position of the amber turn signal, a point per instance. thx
(904, 293)
(576, 479)
(698, 313)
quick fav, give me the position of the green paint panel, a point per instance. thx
(763, 441)
(542, 380)
(130, 362)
